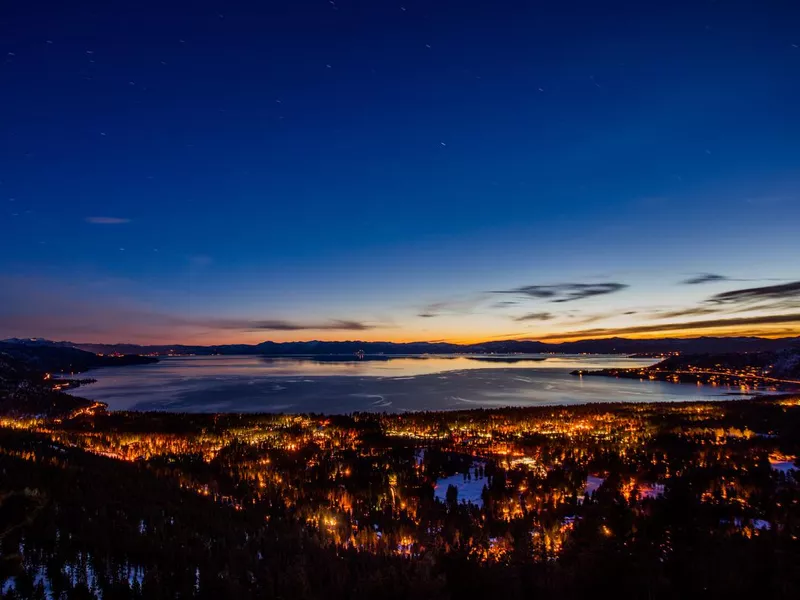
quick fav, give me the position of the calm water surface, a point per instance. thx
(342, 385)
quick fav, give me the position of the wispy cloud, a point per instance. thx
(680, 326)
(771, 298)
(539, 316)
(696, 311)
(107, 321)
(107, 220)
(769, 306)
(704, 278)
(585, 320)
(507, 336)
(433, 310)
(564, 292)
(701, 278)
(276, 325)
(782, 291)
(457, 306)
(27, 309)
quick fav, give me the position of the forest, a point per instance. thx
(638, 501)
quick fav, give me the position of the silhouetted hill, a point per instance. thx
(606, 346)
(24, 392)
(780, 370)
(36, 342)
(62, 358)
(784, 364)
(700, 345)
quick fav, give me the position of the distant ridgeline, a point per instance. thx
(701, 345)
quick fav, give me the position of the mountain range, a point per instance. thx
(699, 345)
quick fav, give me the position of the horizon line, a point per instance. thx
(554, 342)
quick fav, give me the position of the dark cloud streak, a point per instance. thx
(682, 326)
(505, 304)
(457, 306)
(749, 295)
(686, 312)
(704, 278)
(540, 316)
(274, 325)
(565, 292)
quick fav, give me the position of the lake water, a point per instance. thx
(343, 385)
(396, 384)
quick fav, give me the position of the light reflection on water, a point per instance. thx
(377, 366)
(347, 384)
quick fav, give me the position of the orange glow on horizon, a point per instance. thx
(688, 333)
(465, 339)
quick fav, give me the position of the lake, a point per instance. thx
(392, 384)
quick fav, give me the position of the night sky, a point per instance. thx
(237, 171)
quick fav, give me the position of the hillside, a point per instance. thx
(754, 370)
(26, 388)
(24, 392)
(51, 358)
(782, 365)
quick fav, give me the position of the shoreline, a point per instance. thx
(711, 378)
(98, 408)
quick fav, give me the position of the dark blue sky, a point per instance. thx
(206, 170)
